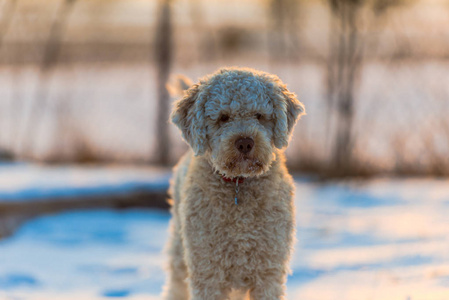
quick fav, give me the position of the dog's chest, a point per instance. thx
(245, 227)
(240, 239)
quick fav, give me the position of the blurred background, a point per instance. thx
(84, 106)
(82, 81)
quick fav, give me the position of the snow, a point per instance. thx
(379, 239)
(384, 239)
(29, 182)
(96, 254)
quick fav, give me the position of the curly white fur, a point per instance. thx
(217, 247)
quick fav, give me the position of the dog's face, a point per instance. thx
(237, 117)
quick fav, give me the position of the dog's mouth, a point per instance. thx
(243, 166)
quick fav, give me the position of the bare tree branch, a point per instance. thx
(163, 60)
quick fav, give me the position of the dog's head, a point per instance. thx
(237, 117)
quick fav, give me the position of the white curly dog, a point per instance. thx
(233, 224)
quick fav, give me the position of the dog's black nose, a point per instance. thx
(244, 145)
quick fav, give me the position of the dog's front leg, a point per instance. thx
(202, 288)
(207, 277)
(270, 289)
(176, 287)
(272, 272)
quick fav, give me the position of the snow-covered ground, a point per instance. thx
(381, 239)
(30, 182)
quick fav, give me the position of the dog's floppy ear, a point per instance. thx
(188, 116)
(287, 110)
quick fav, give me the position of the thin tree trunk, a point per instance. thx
(5, 23)
(345, 160)
(163, 57)
(36, 106)
(341, 86)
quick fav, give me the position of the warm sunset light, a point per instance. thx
(100, 99)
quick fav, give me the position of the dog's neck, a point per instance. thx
(236, 180)
(239, 181)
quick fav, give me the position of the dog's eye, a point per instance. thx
(258, 116)
(224, 118)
